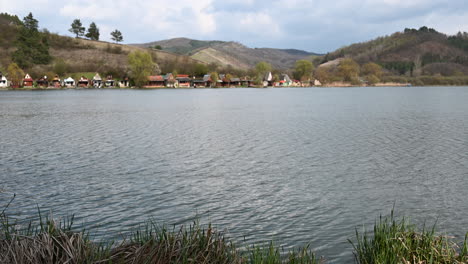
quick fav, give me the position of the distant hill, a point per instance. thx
(76, 55)
(415, 52)
(231, 53)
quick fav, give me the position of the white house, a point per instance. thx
(268, 80)
(97, 81)
(109, 82)
(3, 81)
(69, 83)
(124, 83)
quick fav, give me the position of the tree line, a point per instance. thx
(78, 29)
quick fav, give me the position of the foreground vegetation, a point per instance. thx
(49, 241)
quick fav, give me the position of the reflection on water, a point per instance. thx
(294, 165)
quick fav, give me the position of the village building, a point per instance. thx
(317, 83)
(43, 82)
(285, 81)
(28, 82)
(246, 82)
(109, 82)
(183, 81)
(97, 81)
(56, 82)
(156, 81)
(69, 83)
(234, 82)
(268, 80)
(169, 80)
(3, 81)
(124, 83)
(83, 82)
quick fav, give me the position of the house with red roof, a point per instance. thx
(155, 81)
(28, 82)
(183, 80)
(83, 82)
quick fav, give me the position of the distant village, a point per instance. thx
(155, 81)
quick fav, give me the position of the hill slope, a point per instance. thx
(412, 52)
(231, 53)
(81, 55)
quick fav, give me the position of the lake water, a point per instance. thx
(295, 165)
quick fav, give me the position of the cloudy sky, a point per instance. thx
(312, 25)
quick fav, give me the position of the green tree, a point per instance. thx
(15, 74)
(32, 46)
(303, 70)
(262, 68)
(93, 32)
(349, 70)
(372, 79)
(30, 23)
(141, 66)
(116, 36)
(200, 69)
(372, 69)
(214, 79)
(77, 28)
(323, 75)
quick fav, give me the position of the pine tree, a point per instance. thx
(93, 32)
(117, 36)
(77, 28)
(32, 46)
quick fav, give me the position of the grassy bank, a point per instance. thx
(49, 241)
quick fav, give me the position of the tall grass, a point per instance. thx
(398, 241)
(48, 241)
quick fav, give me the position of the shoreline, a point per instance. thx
(47, 240)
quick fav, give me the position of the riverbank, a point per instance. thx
(50, 241)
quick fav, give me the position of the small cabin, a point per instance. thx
(124, 83)
(56, 83)
(83, 82)
(268, 80)
(43, 82)
(109, 81)
(3, 81)
(156, 81)
(207, 80)
(234, 82)
(28, 82)
(69, 82)
(183, 80)
(97, 81)
(246, 82)
(169, 80)
(285, 80)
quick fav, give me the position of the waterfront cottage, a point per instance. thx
(56, 83)
(234, 82)
(97, 81)
(83, 82)
(3, 81)
(169, 80)
(28, 82)
(156, 81)
(285, 80)
(183, 80)
(69, 82)
(124, 83)
(317, 83)
(109, 82)
(268, 80)
(246, 82)
(207, 80)
(42, 82)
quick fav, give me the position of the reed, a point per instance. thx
(398, 241)
(49, 241)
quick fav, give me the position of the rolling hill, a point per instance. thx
(414, 52)
(230, 53)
